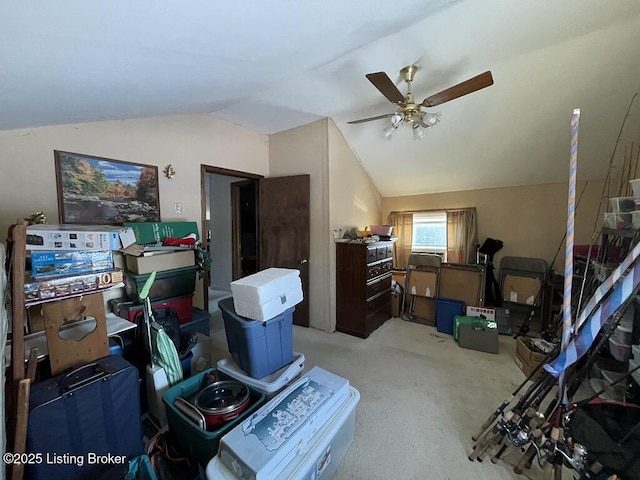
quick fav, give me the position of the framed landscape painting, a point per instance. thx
(103, 191)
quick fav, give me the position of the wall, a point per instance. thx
(303, 150)
(185, 141)
(530, 220)
(354, 200)
(221, 247)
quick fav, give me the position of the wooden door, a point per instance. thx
(284, 230)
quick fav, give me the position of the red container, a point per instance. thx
(127, 309)
(583, 250)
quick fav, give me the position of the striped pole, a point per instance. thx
(567, 323)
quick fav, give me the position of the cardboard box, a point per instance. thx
(523, 290)
(423, 283)
(527, 359)
(71, 262)
(74, 237)
(154, 232)
(160, 261)
(477, 336)
(481, 312)
(395, 305)
(44, 290)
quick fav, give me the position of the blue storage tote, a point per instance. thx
(200, 322)
(258, 347)
(446, 311)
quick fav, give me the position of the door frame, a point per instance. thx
(204, 170)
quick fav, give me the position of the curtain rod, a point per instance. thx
(434, 210)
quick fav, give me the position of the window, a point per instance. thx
(430, 233)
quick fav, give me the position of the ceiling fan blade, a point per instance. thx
(383, 83)
(469, 86)
(379, 117)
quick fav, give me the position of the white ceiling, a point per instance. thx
(274, 65)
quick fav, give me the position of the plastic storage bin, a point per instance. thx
(622, 204)
(614, 394)
(617, 220)
(323, 453)
(125, 308)
(446, 311)
(168, 284)
(271, 383)
(635, 185)
(623, 333)
(284, 427)
(634, 362)
(140, 469)
(200, 322)
(619, 351)
(192, 440)
(258, 347)
(605, 363)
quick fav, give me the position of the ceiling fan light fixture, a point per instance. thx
(389, 131)
(430, 119)
(418, 131)
(396, 120)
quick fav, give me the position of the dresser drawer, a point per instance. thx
(372, 254)
(378, 286)
(378, 269)
(379, 303)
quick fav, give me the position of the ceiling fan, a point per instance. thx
(410, 112)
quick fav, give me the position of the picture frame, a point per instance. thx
(103, 191)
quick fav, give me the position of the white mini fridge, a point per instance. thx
(303, 433)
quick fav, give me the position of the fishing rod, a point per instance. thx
(501, 408)
(604, 389)
(604, 186)
(536, 436)
(515, 421)
(555, 450)
(591, 357)
(524, 327)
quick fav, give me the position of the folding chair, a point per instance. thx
(421, 280)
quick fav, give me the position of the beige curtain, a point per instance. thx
(403, 229)
(462, 236)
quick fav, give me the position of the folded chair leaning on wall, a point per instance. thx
(419, 265)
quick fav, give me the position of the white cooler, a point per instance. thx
(316, 412)
(268, 293)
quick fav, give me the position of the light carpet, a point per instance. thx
(422, 397)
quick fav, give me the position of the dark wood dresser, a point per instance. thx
(363, 286)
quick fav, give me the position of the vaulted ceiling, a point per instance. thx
(274, 65)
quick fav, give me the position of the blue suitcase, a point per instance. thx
(85, 424)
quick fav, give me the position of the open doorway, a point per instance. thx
(229, 223)
(245, 258)
(251, 223)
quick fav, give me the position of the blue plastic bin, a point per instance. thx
(258, 347)
(446, 311)
(200, 322)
